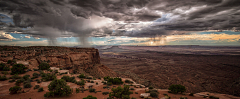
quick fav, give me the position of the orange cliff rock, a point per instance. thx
(80, 60)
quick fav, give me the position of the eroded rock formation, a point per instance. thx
(80, 60)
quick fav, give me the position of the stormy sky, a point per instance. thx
(120, 22)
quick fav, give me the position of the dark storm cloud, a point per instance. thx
(65, 18)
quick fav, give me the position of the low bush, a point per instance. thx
(40, 89)
(35, 69)
(81, 76)
(26, 77)
(48, 77)
(18, 82)
(15, 89)
(82, 82)
(89, 78)
(35, 75)
(3, 78)
(5, 72)
(136, 92)
(150, 87)
(3, 67)
(183, 98)
(43, 66)
(104, 87)
(213, 97)
(92, 90)
(191, 94)
(128, 81)
(114, 81)
(58, 87)
(15, 77)
(27, 85)
(36, 86)
(90, 97)
(68, 79)
(177, 88)
(18, 69)
(13, 80)
(77, 90)
(131, 88)
(119, 92)
(96, 83)
(154, 94)
(105, 93)
(92, 81)
(38, 81)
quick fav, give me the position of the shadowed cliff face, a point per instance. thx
(79, 60)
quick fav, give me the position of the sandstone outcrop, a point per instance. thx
(79, 60)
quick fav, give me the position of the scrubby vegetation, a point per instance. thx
(48, 77)
(3, 67)
(18, 69)
(177, 88)
(44, 66)
(120, 92)
(90, 97)
(40, 89)
(105, 93)
(191, 94)
(82, 82)
(2, 78)
(27, 85)
(128, 81)
(81, 76)
(36, 86)
(15, 89)
(213, 97)
(69, 79)
(58, 87)
(15, 77)
(92, 90)
(113, 80)
(77, 90)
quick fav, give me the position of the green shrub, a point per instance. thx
(2, 65)
(109, 83)
(77, 90)
(131, 88)
(128, 81)
(15, 89)
(36, 86)
(15, 76)
(58, 87)
(40, 89)
(48, 77)
(183, 98)
(3, 78)
(177, 88)
(6, 68)
(133, 98)
(165, 94)
(96, 83)
(136, 92)
(43, 66)
(92, 90)
(114, 81)
(150, 87)
(26, 77)
(90, 97)
(27, 85)
(35, 69)
(18, 69)
(5, 72)
(68, 79)
(38, 81)
(82, 82)
(120, 92)
(18, 82)
(191, 94)
(88, 77)
(11, 62)
(154, 94)
(35, 75)
(204, 96)
(13, 80)
(81, 76)
(104, 87)
(105, 93)
(213, 97)
(92, 81)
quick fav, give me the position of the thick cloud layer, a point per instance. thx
(136, 18)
